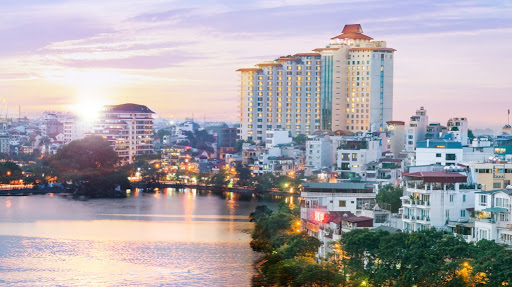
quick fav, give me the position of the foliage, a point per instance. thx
(423, 258)
(90, 165)
(388, 194)
(264, 182)
(220, 179)
(300, 139)
(244, 174)
(91, 152)
(200, 139)
(289, 255)
(239, 144)
(9, 171)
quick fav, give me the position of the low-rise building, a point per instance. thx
(440, 151)
(493, 219)
(436, 200)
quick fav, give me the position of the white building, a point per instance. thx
(128, 128)
(458, 128)
(354, 155)
(435, 200)
(396, 137)
(329, 209)
(439, 151)
(493, 219)
(320, 152)
(348, 85)
(417, 129)
(277, 137)
(74, 129)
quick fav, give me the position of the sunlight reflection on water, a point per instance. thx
(181, 239)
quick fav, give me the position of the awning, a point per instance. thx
(495, 209)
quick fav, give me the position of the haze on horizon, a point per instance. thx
(179, 57)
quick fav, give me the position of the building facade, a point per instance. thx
(128, 128)
(348, 85)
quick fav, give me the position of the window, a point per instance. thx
(451, 197)
(463, 198)
(438, 155)
(463, 213)
(342, 203)
(483, 200)
(450, 156)
(496, 185)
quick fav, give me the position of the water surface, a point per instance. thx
(174, 238)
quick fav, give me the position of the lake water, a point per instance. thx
(172, 238)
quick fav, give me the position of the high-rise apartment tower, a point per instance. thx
(347, 86)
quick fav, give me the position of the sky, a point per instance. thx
(179, 57)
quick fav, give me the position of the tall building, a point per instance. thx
(74, 129)
(396, 137)
(128, 128)
(417, 129)
(348, 85)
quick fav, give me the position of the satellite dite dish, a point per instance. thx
(508, 187)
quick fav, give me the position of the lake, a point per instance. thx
(172, 238)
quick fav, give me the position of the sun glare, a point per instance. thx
(88, 107)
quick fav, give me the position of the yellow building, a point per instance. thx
(493, 176)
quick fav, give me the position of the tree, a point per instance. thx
(390, 195)
(91, 152)
(261, 211)
(220, 179)
(264, 182)
(239, 144)
(244, 174)
(9, 171)
(300, 139)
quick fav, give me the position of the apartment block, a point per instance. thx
(347, 85)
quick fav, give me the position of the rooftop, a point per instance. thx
(439, 143)
(352, 31)
(436, 176)
(129, 108)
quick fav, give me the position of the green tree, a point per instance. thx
(388, 194)
(244, 174)
(91, 152)
(264, 182)
(300, 139)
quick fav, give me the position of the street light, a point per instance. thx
(8, 173)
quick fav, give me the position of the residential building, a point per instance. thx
(439, 151)
(417, 129)
(458, 128)
(492, 175)
(434, 131)
(348, 85)
(353, 156)
(320, 152)
(436, 200)
(396, 137)
(277, 137)
(73, 129)
(128, 128)
(329, 209)
(503, 147)
(227, 137)
(493, 219)
(5, 143)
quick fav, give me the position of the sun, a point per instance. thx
(88, 107)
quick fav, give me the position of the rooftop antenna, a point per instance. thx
(508, 122)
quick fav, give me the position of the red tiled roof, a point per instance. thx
(325, 49)
(306, 54)
(372, 49)
(395, 123)
(352, 36)
(288, 59)
(437, 176)
(352, 28)
(269, 64)
(249, 70)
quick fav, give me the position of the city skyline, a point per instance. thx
(64, 53)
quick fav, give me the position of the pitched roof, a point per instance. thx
(352, 31)
(129, 108)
